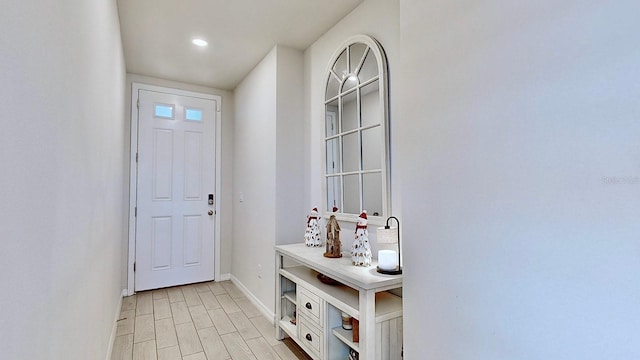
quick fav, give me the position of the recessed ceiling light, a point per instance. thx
(199, 42)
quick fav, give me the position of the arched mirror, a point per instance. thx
(356, 175)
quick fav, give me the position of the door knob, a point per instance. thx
(210, 212)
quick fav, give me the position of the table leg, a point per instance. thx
(367, 324)
(278, 302)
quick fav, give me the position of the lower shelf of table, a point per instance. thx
(343, 297)
(346, 336)
(288, 327)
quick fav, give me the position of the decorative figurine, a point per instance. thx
(312, 235)
(333, 238)
(361, 250)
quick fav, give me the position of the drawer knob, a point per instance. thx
(309, 337)
(308, 305)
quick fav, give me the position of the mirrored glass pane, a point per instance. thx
(372, 148)
(369, 68)
(350, 83)
(350, 116)
(352, 194)
(340, 66)
(356, 52)
(163, 111)
(331, 118)
(333, 156)
(193, 114)
(372, 193)
(351, 152)
(370, 104)
(332, 87)
(334, 195)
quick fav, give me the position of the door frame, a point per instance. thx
(133, 174)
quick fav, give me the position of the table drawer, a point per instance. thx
(310, 335)
(309, 305)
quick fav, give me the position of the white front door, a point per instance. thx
(174, 240)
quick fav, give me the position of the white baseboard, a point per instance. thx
(114, 328)
(254, 300)
(224, 277)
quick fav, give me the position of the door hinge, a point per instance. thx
(136, 157)
(134, 267)
(135, 211)
(138, 103)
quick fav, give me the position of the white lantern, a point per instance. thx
(389, 260)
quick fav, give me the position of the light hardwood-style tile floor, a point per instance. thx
(206, 321)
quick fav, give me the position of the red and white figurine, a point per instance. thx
(361, 250)
(312, 235)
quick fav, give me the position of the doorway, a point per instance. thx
(173, 227)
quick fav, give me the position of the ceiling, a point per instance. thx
(157, 34)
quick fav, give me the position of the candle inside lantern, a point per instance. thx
(387, 259)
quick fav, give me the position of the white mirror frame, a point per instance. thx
(377, 50)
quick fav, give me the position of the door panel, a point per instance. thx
(161, 243)
(176, 172)
(192, 239)
(162, 177)
(193, 166)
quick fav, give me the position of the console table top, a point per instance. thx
(341, 269)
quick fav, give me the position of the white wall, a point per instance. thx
(379, 19)
(267, 169)
(521, 136)
(290, 209)
(224, 199)
(63, 163)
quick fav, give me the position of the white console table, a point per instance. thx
(316, 306)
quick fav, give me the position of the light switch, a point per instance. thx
(241, 196)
